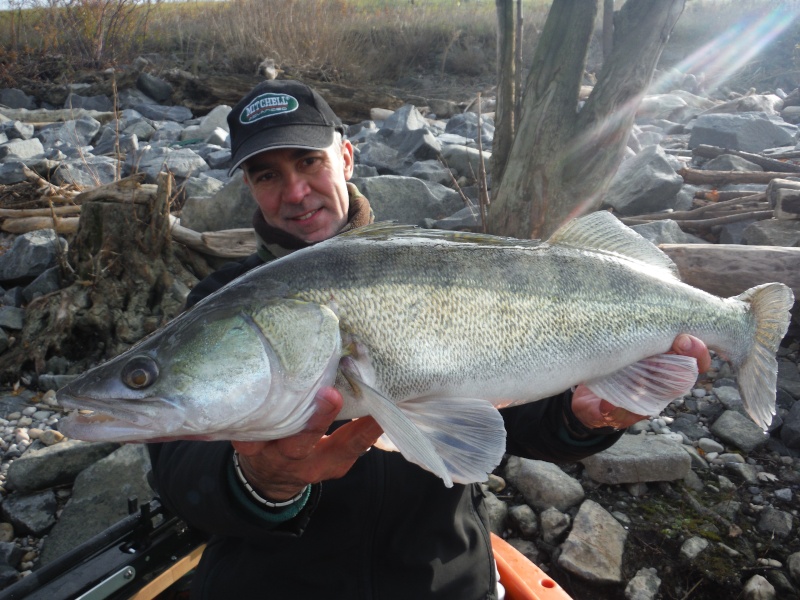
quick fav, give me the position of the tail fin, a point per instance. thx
(758, 373)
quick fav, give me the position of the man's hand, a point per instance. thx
(595, 412)
(281, 469)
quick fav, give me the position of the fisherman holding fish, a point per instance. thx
(322, 513)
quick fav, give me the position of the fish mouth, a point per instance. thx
(118, 419)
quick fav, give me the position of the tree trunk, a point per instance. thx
(562, 161)
(608, 28)
(506, 93)
(126, 283)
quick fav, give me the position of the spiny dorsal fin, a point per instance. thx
(602, 231)
(390, 229)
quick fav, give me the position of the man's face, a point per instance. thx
(302, 192)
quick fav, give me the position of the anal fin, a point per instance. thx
(648, 386)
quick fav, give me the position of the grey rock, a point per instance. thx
(101, 490)
(14, 98)
(729, 397)
(99, 103)
(543, 484)
(554, 525)
(10, 553)
(385, 159)
(790, 431)
(77, 132)
(468, 218)
(181, 162)
(231, 207)
(11, 317)
(733, 233)
(407, 199)
(141, 128)
(14, 297)
(644, 184)
(793, 563)
(740, 431)
(158, 112)
(497, 511)
(750, 132)
(775, 522)
(639, 458)
(691, 548)
(419, 144)
(21, 149)
(467, 125)
(17, 130)
(404, 119)
(524, 519)
(527, 549)
(202, 186)
(132, 97)
(32, 514)
(465, 161)
(48, 281)
(644, 585)
(594, 548)
(31, 254)
(55, 465)
(773, 232)
(12, 172)
(154, 87)
(87, 172)
(758, 588)
(730, 162)
(431, 170)
(666, 231)
(114, 143)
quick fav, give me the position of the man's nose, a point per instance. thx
(295, 188)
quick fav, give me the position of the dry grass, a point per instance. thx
(349, 40)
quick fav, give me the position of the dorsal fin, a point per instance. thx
(602, 231)
(383, 230)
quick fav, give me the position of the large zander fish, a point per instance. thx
(430, 332)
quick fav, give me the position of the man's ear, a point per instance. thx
(348, 159)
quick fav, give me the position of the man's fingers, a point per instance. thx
(687, 345)
(355, 438)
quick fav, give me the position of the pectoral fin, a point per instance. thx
(648, 386)
(457, 439)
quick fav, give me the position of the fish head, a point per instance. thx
(216, 374)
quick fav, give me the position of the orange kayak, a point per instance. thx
(521, 578)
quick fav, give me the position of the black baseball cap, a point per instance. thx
(280, 113)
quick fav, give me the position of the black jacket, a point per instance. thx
(387, 530)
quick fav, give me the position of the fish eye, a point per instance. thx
(140, 372)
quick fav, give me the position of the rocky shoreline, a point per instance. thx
(697, 503)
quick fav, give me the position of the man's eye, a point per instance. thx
(265, 177)
(311, 162)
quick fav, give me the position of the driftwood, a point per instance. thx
(27, 224)
(721, 196)
(701, 224)
(749, 202)
(130, 189)
(729, 269)
(229, 243)
(21, 213)
(699, 177)
(768, 164)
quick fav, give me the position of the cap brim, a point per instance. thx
(311, 137)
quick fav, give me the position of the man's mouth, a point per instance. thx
(306, 216)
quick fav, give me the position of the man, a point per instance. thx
(321, 514)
